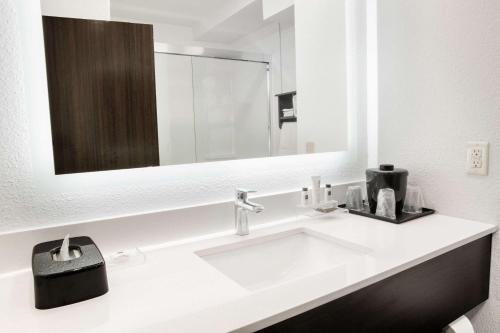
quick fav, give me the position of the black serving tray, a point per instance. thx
(404, 217)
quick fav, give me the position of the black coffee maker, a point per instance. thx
(386, 177)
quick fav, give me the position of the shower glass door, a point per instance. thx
(231, 109)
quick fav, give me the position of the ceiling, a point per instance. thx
(180, 12)
(210, 20)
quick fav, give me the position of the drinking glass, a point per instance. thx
(414, 200)
(354, 198)
(386, 203)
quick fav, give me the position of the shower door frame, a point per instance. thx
(205, 52)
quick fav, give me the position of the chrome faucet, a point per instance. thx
(241, 208)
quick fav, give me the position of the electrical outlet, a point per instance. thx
(477, 158)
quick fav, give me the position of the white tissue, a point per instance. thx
(64, 252)
(461, 325)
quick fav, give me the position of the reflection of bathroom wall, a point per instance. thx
(271, 8)
(288, 62)
(288, 133)
(174, 99)
(322, 75)
(278, 41)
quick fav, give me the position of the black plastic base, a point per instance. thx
(401, 218)
(59, 283)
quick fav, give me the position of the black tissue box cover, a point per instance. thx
(59, 283)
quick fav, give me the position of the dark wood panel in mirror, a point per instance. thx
(101, 81)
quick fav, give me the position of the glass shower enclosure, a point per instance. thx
(211, 108)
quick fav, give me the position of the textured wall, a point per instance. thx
(16, 191)
(439, 69)
(30, 196)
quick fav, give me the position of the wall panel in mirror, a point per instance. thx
(101, 84)
(174, 91)
(322, 75)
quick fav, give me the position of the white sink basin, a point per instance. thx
(271, 260)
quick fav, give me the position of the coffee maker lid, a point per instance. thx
(388, 168)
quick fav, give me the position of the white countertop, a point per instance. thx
(176, 291)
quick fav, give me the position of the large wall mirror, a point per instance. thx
(139, 83)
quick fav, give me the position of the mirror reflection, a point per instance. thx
(211, 80)
(218, 68)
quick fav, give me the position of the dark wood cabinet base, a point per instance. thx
(422, 299)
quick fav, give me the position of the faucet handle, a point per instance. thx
(242, 194)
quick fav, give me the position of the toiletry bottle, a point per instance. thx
(328, 196)
(316, 190)
(305, 197)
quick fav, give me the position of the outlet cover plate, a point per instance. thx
(477, 158)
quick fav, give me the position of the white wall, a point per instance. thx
(174, 109)
(32, 196)
(439, 88)
(169, 33)
(267, 41)
(288, 59)
(320, 36)
(274, 7)
(85, 9)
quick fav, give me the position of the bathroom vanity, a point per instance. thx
(338, 272)
(423, 298)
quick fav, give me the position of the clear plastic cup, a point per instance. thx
(386, 203)
(414, 200)
(354, 198)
